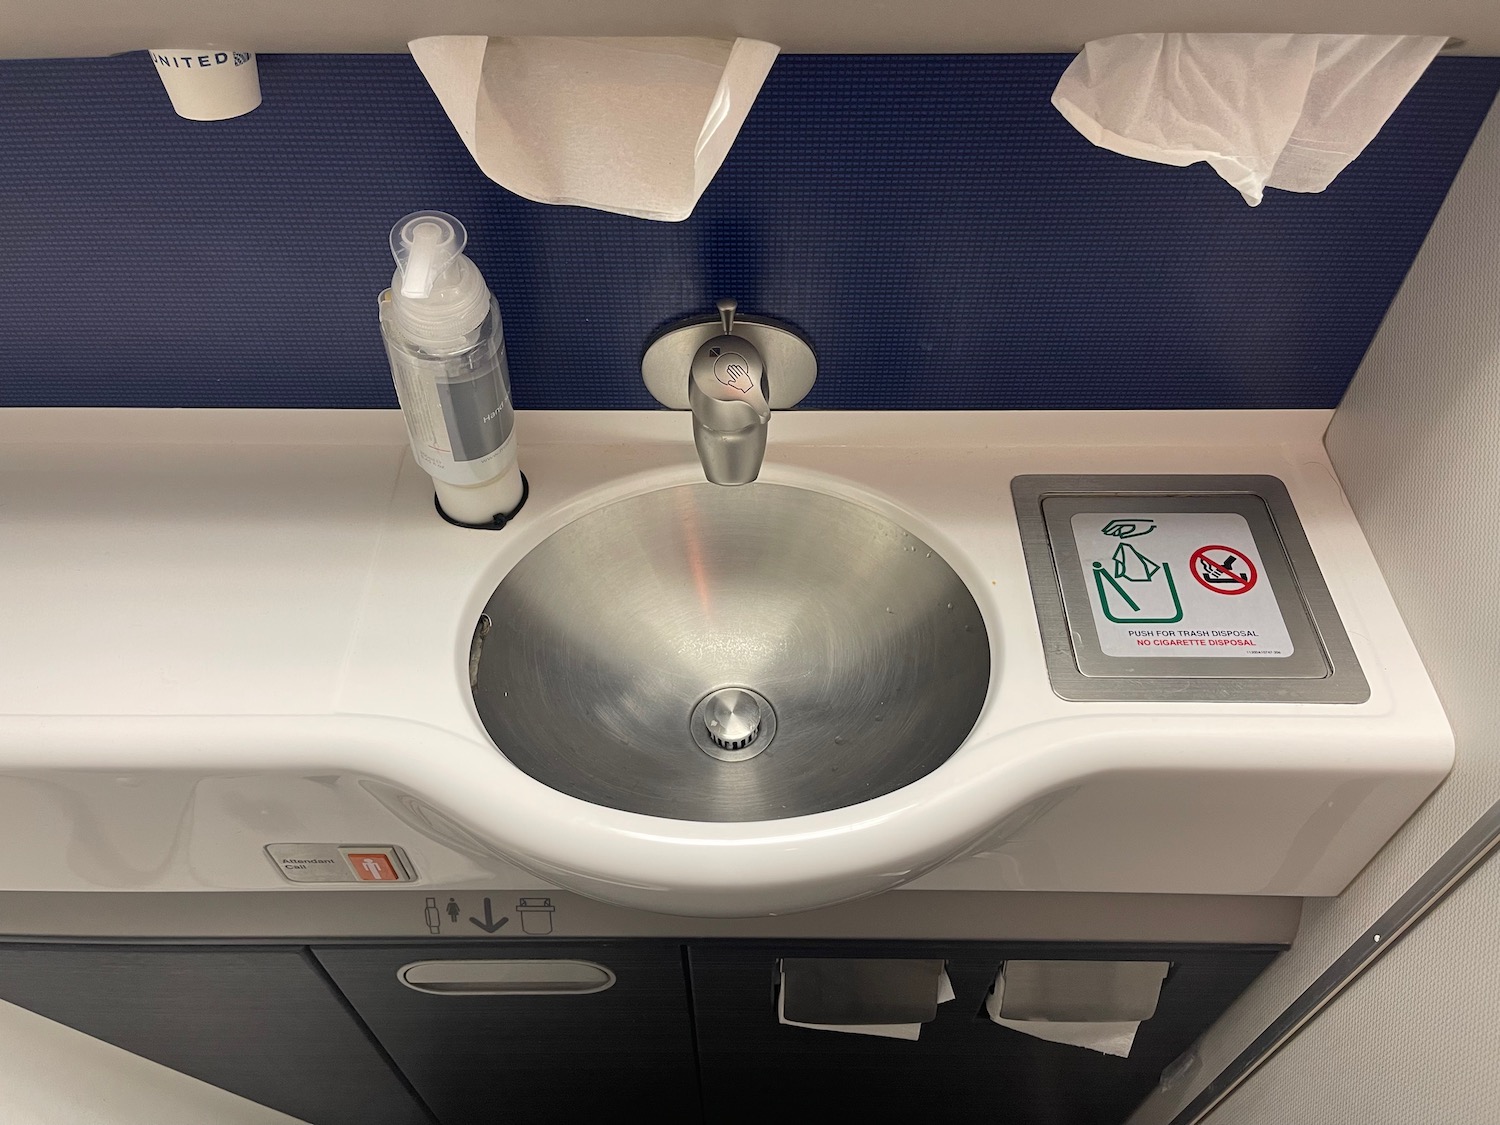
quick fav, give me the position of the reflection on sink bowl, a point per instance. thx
(859, 657)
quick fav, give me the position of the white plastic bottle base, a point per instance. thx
(480, 503)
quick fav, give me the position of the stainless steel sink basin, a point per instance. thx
(731, 654)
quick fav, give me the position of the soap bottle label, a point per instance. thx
(477, 411)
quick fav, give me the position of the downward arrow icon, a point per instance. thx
(489, 925)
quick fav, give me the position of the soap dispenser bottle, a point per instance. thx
(443, 337)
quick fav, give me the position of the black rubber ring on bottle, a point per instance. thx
(500, 519)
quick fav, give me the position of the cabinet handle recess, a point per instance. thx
(506, 978)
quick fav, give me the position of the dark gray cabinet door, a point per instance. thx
(263, 1023)
(964, 1068)
(523, 1059)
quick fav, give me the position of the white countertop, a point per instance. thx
(215, 609)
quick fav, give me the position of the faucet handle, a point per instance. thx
(677, 348)
(727, 396)
(726, 384)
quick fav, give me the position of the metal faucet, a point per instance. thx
(728, 386)
(731, 409)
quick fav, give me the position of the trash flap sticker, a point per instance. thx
(1178, 584)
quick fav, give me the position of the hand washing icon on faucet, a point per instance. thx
(732, 370)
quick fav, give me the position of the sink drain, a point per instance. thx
(733, 724)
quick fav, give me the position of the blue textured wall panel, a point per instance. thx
(942, 235)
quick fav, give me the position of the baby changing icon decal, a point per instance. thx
(1136, 573)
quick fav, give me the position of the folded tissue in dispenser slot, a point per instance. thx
(1282, 111)
(890, 998)
(635, 126)
(1094, 1004)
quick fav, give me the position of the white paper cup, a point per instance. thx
(208, 84)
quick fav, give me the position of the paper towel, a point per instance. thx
(910, 1031)
(1283, 111)
(633, 126)
(1107, 987)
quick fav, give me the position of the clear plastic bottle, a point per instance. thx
(443, 337)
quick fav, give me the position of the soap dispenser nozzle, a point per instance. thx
(424, 244)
